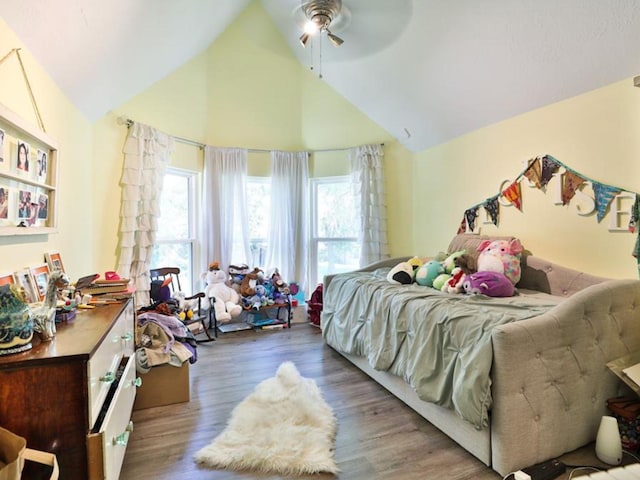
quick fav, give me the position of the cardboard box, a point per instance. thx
(163, 385)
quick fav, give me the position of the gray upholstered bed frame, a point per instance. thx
(549, 374)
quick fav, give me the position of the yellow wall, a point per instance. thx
(63, 122)
(596, 134)
(248, 90)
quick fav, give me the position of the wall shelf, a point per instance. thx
(28, 190)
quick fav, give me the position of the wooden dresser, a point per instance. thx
(73, 396)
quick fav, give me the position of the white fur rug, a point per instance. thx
(284, 426)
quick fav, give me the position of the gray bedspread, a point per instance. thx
(439, 343)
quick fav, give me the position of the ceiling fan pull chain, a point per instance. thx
(320, 61)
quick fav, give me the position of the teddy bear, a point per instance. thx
(502, 256)
(226, 299)
(249, 282)
(258, 299)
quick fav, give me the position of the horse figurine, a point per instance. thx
(44, 317)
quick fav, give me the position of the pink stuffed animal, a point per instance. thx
(501, 256)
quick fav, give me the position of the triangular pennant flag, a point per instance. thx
(549, 167)
(603, 196)
(463, 226)
(512, 194)
(493, 209)
(471, 215)
(534, 172)
(570, 183)
(635, 215)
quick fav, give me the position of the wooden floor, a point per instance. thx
(378, 436)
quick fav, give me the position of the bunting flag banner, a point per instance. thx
(570, 183)
(635, 213)
(471, 215)
(603, 195)
(534, 172)
(463, 226)
(549, 167)
(513, 194)
(492, 206)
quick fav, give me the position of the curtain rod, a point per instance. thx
(128, 122)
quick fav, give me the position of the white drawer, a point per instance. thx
(106, 448)
(102, 365)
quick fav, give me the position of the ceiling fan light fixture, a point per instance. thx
(335, 40)
(311, 27)
(304, 38)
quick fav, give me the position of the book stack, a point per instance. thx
(99, 287)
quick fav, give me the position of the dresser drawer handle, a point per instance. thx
(137, 382)
(127, 337)
(123, 438)
(109, 377)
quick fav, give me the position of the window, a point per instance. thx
(176, 236)
(258, 207)
(334, 228)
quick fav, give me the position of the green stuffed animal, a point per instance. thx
(441, 280)
(449, 262)
(428, 272)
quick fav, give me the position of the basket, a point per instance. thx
(14, 452)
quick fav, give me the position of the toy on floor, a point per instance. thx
(226, 299)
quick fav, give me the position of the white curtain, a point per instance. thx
(288, 227)
(224, 219)
(147, 153)
(368, 183)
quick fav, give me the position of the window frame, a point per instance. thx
(193, 184)
(263, 180)
(314, 239)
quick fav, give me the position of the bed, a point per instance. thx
(515, 381)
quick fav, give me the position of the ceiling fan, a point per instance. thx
(319, 16)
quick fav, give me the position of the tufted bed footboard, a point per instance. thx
(550, 380)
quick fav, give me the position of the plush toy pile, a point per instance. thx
(244, 289)
(495, 273)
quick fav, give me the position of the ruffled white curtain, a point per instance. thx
(368, 183)
(226, 237)
(147, 153)
(288, 227)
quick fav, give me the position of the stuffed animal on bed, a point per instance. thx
(404, 273)
(502, 256)
(463, 265)
(428, 272)
(492, 284)
(401, 274)
(448, 264)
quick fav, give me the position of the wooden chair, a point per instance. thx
(198, 323)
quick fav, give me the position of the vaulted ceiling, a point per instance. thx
(425, 70)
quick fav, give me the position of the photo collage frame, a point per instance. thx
(28, 166)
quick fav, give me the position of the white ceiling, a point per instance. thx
(425, 70)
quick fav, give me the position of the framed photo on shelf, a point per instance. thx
(7, 279)
(22, 157)
(54, 260)
(25, 280)
(40, 276)
(41, 166)
(4, 203)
